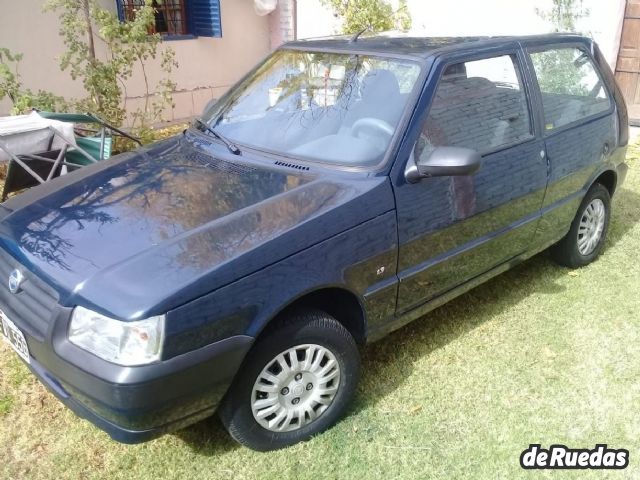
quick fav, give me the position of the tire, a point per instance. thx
(574, 250)
(321, 344)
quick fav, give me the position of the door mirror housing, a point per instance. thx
(443, 162)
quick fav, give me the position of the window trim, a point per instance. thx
(534, 78)
(178, 36)
(520, 64)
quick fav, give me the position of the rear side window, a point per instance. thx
(571, 87)
(479, 105)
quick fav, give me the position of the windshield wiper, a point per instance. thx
(233, 148)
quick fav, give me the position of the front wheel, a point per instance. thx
(296, 382)
(588, 231)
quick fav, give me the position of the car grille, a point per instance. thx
(31, 308)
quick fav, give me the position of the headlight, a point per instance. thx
(123, 343)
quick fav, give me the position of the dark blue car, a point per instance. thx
(343, 188)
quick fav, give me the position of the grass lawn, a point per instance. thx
(540, 354)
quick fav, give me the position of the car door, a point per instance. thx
(452, 229)
(580, 129)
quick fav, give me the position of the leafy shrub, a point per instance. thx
(373, 15)
(103, 72)
(23, 99)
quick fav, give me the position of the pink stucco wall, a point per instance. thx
(207, 66)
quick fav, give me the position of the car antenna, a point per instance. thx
(354, 39)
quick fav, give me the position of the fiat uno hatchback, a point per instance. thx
(343, 188)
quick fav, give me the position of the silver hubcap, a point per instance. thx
(591, 227)
(295, 388)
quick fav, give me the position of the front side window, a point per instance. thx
(334, 108)
(479, 105)
(570, 85)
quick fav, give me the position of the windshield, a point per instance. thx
(329, 107)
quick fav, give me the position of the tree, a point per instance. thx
(558, 71)
(102, 52)
(23, 99)
(564, 14)
(374, 15)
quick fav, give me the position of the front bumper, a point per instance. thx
(132, 404)
(136, 404)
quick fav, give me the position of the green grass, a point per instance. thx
(6, 402)
(540, 354)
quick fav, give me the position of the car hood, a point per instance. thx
(144, 232)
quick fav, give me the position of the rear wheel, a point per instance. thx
(585, 239)
(296, 382)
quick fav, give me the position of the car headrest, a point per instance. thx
(380, 82)
(481, 83)
(469, 87)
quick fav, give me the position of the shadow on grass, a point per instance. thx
(208, 437)
(626, 213)
(387, 363)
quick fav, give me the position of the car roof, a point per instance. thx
(408, 45)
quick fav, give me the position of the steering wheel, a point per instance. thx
(371, 123)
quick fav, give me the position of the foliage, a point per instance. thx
(556, 70)
(9, 79)
(23, 99)
(147, 135)
(373, 15)
(402, 16)
(560, 72)
(564, 14)
(103, 52)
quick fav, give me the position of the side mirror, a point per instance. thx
(443, 162)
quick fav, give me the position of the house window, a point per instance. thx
(178, 17)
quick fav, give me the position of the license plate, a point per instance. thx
(14, 337)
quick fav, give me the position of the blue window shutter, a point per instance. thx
(204, 18)
(120, 8)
